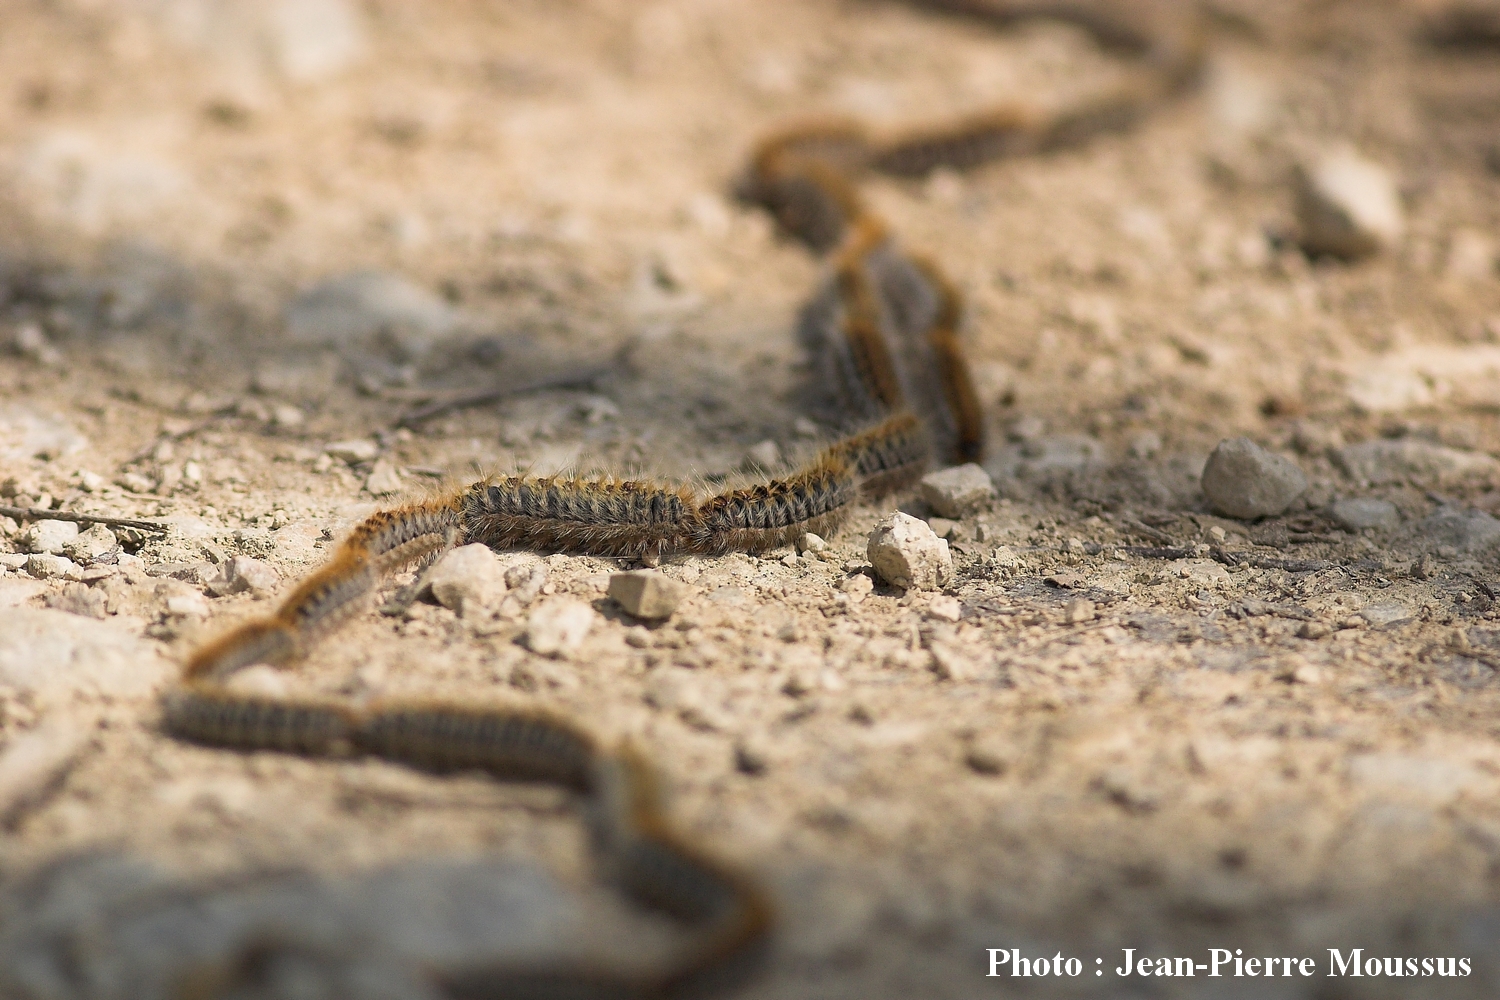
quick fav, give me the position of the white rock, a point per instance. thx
(905, 553)
(87, 546)
(958, 491)
(945, 608)
(239, 574)
(1348, 206)
(384, 479)
(45, 566)
(811, 544)
(558, 628)
(33, 761)
(764, 455)
(187, 604)
(468, 580)
(48, 536)
(1242, 479)
(353, 452)
(54, 653)
(857, 587)
(645, 593)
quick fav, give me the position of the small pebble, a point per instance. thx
(857, 587)
(1357, 513)
(1347, 205)
(749, 758)
(942, 526)
(48, 536)
(240, 574)
(526, 580)
(945, 608)
(646, 593)
(384, 479)
(959, 491)
(988, 756)
(764, 455)
(1243, 480)
(467, 580)
(905, 553)
(811, 543)
(558, 628)
(188, 604)
(353, 452)
(286, 416)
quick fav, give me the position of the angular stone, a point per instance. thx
(384, 479)
(1358, 513)
(25, 434)
(645, 593)
(354, 451)
(1347, 205)
(48, 536)
(468, 580)
(959, 491)
(905, 553)
(1243, 480)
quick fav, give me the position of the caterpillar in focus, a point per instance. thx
(884, 331)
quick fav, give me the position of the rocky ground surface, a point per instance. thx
(1152, 700)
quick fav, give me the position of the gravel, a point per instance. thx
(959, 491)
(1348, 206)
(905, 553)
(645, 593)
(1243, 480)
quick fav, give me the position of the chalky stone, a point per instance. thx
(1244, 480)
(645, 593)
(905, 553)
(956, 492)
(1347, 205)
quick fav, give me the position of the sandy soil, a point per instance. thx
(1287, 753)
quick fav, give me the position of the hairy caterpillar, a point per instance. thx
(884, 328)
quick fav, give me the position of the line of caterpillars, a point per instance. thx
(884, 329)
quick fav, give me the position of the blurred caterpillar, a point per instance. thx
(883, 328)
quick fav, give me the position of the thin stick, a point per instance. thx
(565, 380)
(37, 514)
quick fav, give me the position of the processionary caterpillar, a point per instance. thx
(884, 329)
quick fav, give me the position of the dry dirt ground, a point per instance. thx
(1284, 751)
